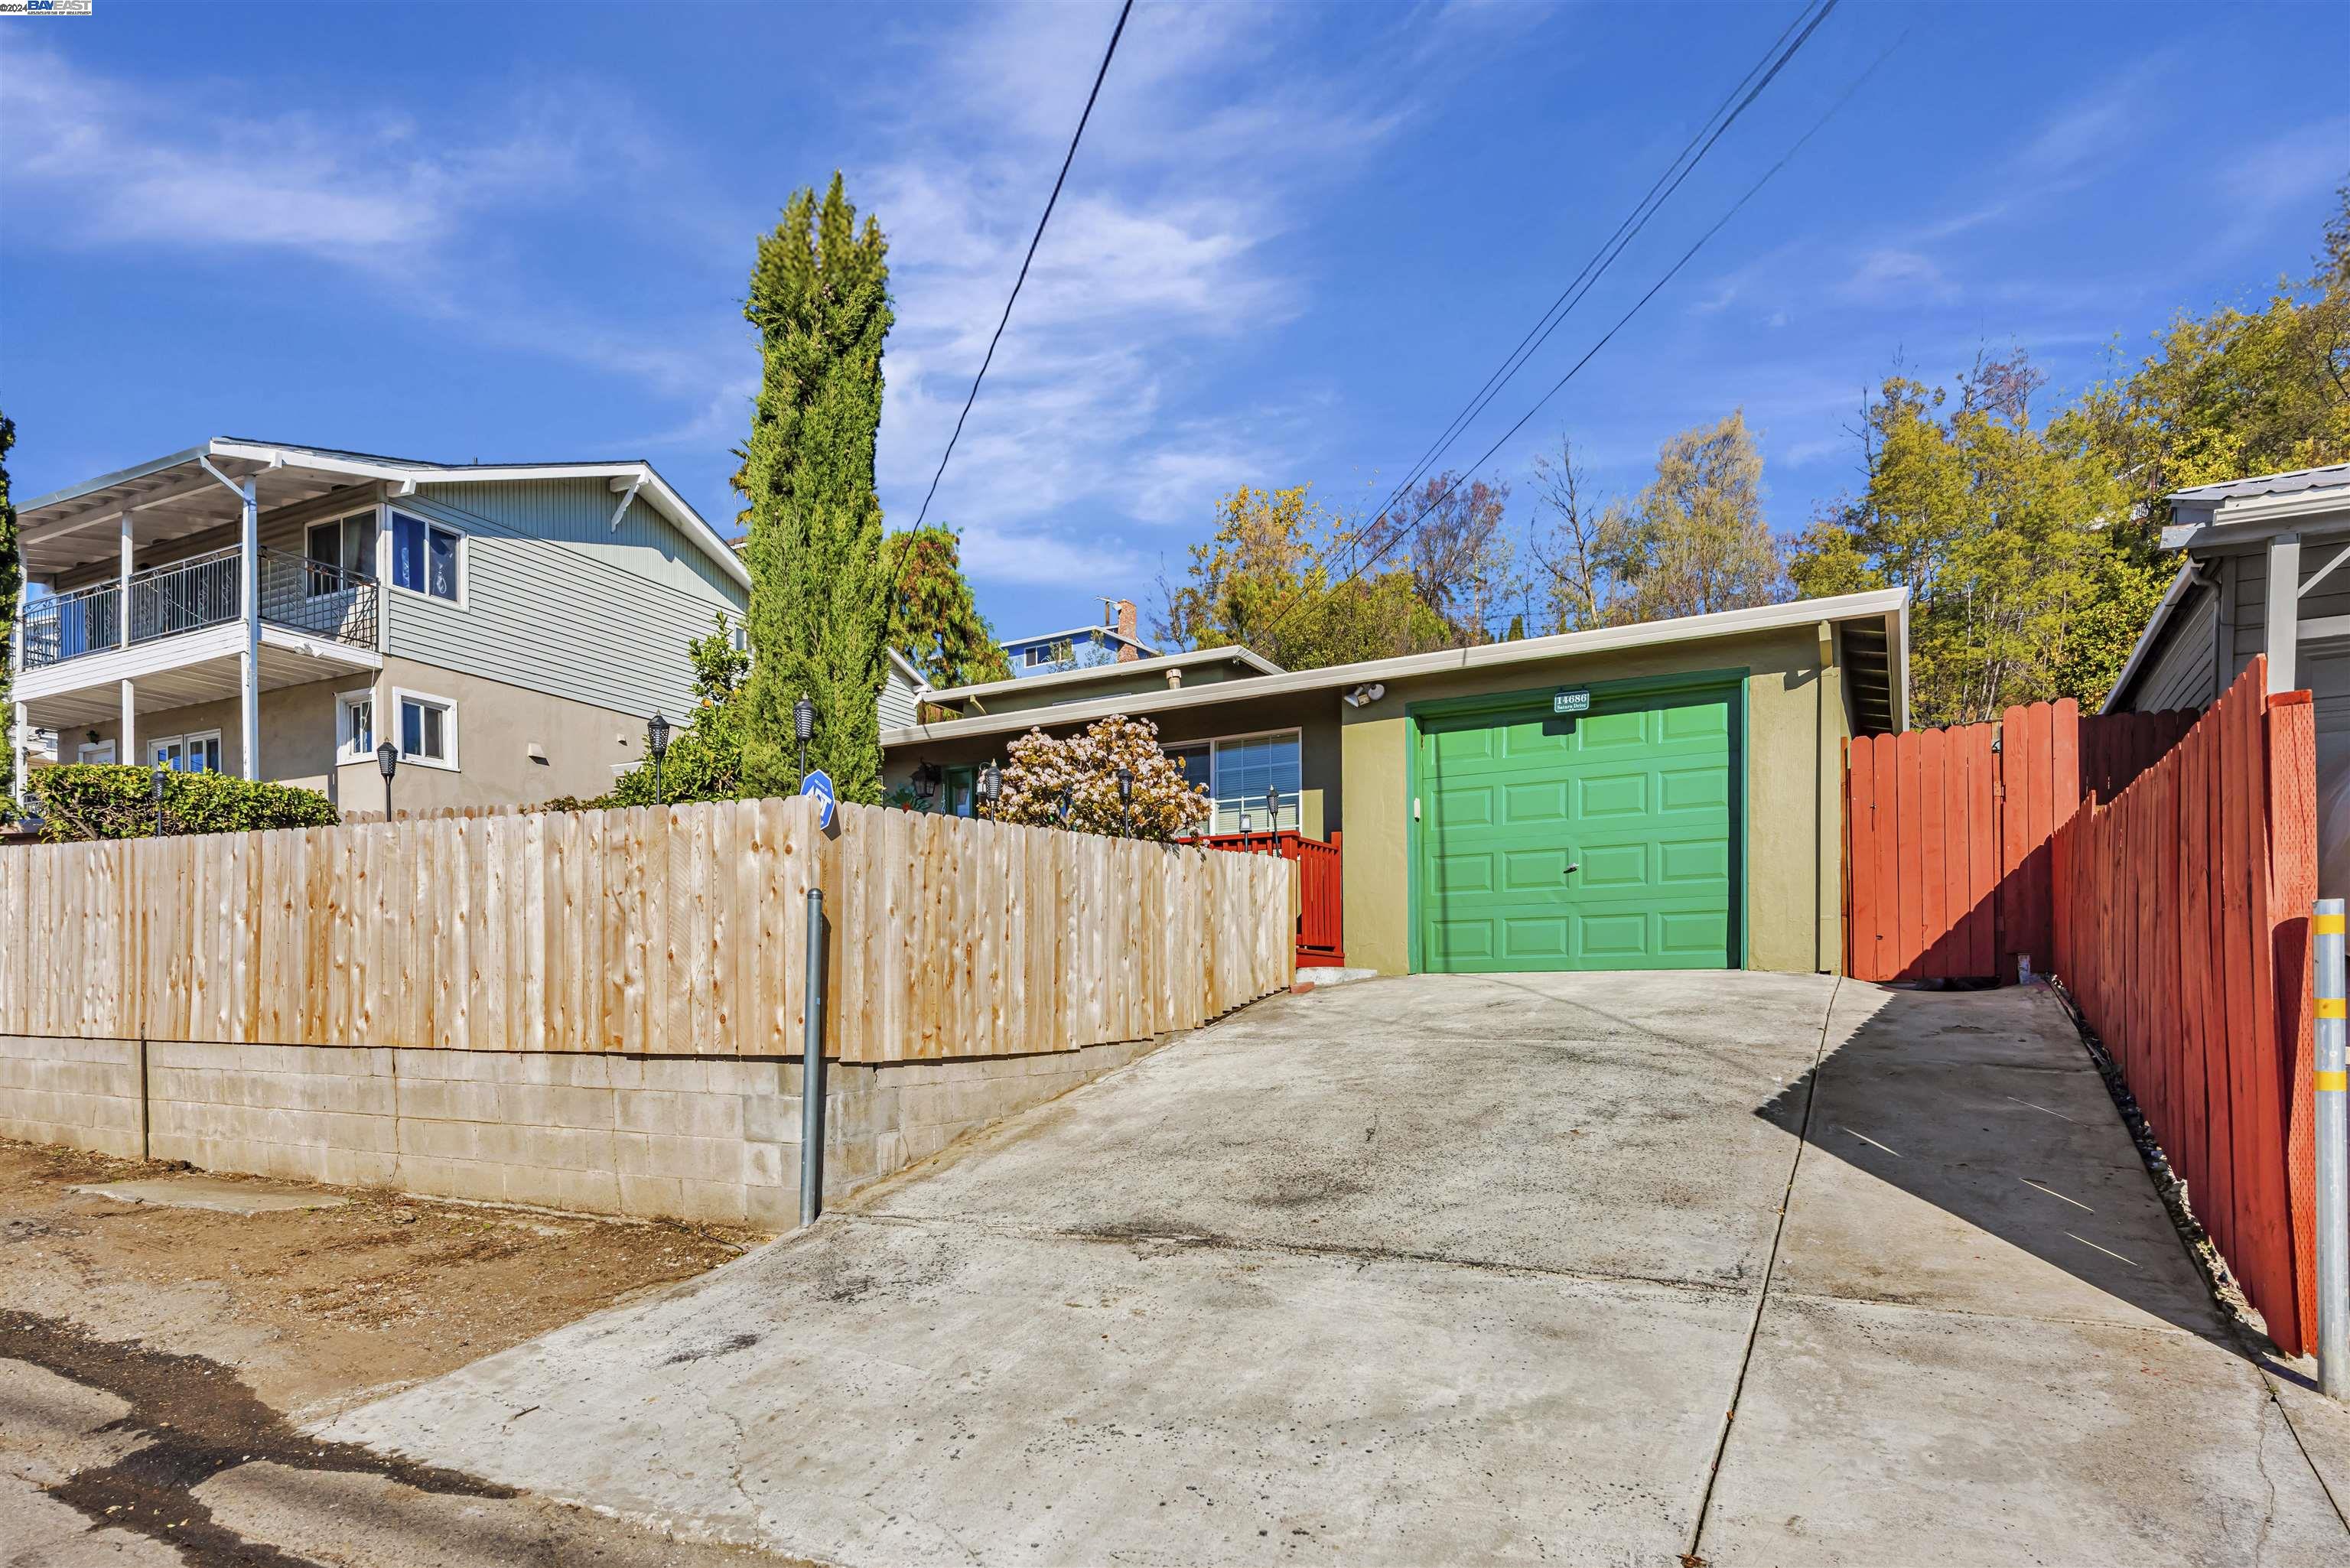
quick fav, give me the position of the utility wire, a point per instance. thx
(1718, 224)
(1034, 240)
(1708, 133)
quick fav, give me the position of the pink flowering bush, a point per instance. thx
(1041, 773)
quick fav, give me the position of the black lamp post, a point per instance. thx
(160, 771)
(1069, 802)
(1126, 798)
(802, 726)
(1272, 809)
(657, 742)
(387, 763)
(989, 788)
(926, 782)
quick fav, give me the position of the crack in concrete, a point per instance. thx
(1763, 1295)
(1215, 1241)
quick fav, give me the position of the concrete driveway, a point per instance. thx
(1458, 1269)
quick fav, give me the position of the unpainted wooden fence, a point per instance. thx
(1946, 834)
(675, 931)
(2182, 933)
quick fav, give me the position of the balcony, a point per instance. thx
(197, 594)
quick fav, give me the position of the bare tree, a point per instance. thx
(1450, 535)
(1575, 553)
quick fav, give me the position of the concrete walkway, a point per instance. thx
(1455, 1269)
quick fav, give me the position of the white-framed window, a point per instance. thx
(1039, 656)
(428, 729)
(1239, 769)
(194, 754)
(340, 549)
(94, 752)
(428, 558)
(355, 739)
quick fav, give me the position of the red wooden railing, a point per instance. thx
(2182, 933)
(1321, 942)
(1947, 833)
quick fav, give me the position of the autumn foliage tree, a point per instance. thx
(1072, 781)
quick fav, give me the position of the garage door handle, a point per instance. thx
(1573, 866)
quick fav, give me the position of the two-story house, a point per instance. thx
(278, 611)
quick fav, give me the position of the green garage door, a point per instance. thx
(1609, 839)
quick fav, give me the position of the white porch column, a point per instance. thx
(2283, 619)
(122, 589)
(126, 745)
(249, 728)
(1829, 841)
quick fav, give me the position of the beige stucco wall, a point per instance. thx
(1792, 918)
(496, 726)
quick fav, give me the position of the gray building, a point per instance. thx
(2267, 571)
(277, 611)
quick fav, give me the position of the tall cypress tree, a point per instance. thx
(11, 577)
(818, 615)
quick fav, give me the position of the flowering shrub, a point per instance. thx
(1042, 776)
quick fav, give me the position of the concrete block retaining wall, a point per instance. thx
(702, 1138)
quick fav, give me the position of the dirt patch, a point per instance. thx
(313, 1306)
(223, 1334)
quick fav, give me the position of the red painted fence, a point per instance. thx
(1321, 942)
(1947, 834)
(2182, 932)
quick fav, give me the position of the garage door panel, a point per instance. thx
(1541, 802)
(1693, 789)
(1612, 794)
(1636, 794)
(1465, 872)
(1533, 870)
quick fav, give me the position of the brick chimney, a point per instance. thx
(1123, 614)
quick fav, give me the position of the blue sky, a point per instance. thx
(1296, 239)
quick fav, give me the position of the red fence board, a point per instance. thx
(2181, 907)
(1947, 853)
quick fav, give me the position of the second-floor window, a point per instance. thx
(423, 557)
(340, 551)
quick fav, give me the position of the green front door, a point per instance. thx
(1606, 839)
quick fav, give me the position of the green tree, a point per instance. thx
(1284, 577)
(819, 296)
(707, 754)
(1695, 541)
(1996, 525)
(933, 619)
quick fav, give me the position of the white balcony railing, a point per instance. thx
(194, 595)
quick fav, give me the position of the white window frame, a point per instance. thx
(82, 752)
(1215, 766)
(400, 697)
(187, 744)
(387, 561)
(345, 752)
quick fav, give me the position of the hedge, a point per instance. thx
(79, 801)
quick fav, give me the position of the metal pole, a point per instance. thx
(2333, 1156)
(812, 1068)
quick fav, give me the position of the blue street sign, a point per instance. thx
(820, 784)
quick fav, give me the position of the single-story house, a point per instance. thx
(1666, 794)
(2270, 552)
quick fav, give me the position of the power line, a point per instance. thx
(1034, 240)
(1682, 166)
(1751, 192)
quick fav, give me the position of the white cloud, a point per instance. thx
(153, 165)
